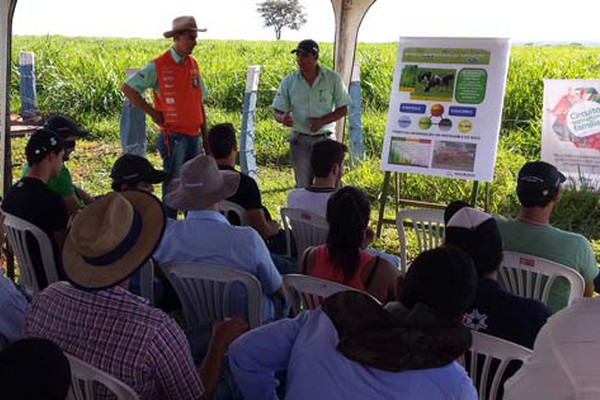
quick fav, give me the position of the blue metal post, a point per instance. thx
(28, 95)
(356, 145)
(133, 126)
(247, 156)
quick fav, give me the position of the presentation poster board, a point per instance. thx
(571, 128)
(445, 107)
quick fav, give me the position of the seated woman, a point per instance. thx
(343, 258)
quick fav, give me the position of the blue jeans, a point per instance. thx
(181, 148)
(133, 130)
(300, 149)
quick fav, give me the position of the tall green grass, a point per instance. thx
(81, 77)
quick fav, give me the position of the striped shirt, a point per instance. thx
(117, 332)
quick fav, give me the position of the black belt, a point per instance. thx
(316, 134)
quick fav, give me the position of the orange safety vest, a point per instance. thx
(180, 99)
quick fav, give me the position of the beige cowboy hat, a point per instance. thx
(201, 184)
(184, 23)
(111, 238)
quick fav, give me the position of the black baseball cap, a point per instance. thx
(42, 142)
(307, 46)
(64, 126)
(537, 183)
(133, 168)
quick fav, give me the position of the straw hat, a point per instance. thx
(111, 238)
(201, 184)
(184, 23)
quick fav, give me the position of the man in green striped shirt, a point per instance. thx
(309, 101)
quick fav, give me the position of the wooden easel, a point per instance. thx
(407, 202)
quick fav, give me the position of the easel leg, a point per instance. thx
(382, 201)
(474, 193)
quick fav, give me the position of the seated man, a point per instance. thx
(354, 348)
(94, 317)
(206, 236)
(133, 172)
(34, 369)
(73, 196)
(32, 200)
(538, 189)
(326, 161)
(565, 363)
(223, 147)
(495, 311)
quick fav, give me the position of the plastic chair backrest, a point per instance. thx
(147, 281)
(87, 381)
(204, 291)
(428, 226)
(228, 207)
(533, 277)
(16, 234)
(309, 292)
(487, 363)
(308, 228)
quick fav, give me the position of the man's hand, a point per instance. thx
(287, 119)
(315, 124)
(157, 117)
(225, 332)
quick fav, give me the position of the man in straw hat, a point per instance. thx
(178, 91)
(94, 317)
(206, 236)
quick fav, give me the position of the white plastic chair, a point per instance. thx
(204, 291)
(147, 281)
(227, 207)
(87, 381)
(16, 233)
(309, 292)
(428, 225)
(530, 276)
(489, 358)
(308, 228)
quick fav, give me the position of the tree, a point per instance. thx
(282, 14)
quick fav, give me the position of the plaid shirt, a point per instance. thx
(117, 332)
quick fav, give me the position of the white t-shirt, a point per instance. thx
(310, 199)
(565, 363)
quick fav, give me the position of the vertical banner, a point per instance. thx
(446, 107)
(571, 128)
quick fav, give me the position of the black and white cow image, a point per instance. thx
(432, 80)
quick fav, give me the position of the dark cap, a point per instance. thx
(42, 142)
(307, 46)
(537, 183)
(132, 168)
(64, 126)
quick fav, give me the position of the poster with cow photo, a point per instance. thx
(571, 128)
(446, 106)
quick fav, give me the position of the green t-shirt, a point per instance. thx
(326, 94)
(62, 184)
(567, 248)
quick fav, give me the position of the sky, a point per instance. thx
(387, 20)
